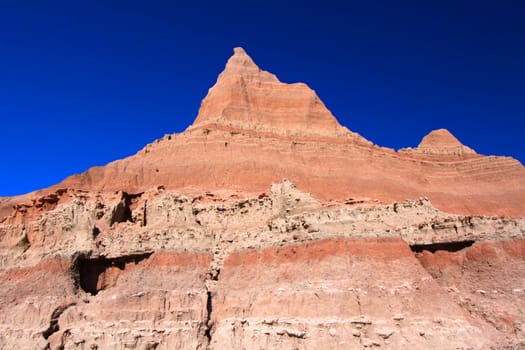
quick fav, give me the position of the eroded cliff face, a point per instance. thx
(253, 130)
(212, 270)
(200, 242)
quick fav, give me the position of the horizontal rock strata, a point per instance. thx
(267, 224)
(253, 130)
(339, 294)
(167, 270)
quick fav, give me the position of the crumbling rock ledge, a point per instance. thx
(221, 271)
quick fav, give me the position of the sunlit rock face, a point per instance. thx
(267, 224)
(253, 130)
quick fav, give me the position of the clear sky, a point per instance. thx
(83, 83)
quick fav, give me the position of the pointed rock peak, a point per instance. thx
(240, 60)
(240, 64)
(240, 54)
(442, 141)
(239, 51)
(248, 99)
(439, 138)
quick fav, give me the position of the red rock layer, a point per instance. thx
(487, 279)
(28, 299)
(328, 169)
(252, 130)
(338, 294)
(248, 98)
(161, 300)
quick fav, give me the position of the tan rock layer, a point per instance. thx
(159, 304)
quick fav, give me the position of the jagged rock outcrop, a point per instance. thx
(200, 241)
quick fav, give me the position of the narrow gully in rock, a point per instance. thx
(219, 251)
(53, 322)
(209, 310)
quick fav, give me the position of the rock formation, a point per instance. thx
(441, 144)
(267, 224)
(253, 130)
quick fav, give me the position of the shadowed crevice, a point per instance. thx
(53, 322)
(123, 211)
(445, 246)
(209, 309)
(94, 274)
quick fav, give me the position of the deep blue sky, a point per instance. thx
(83, 83)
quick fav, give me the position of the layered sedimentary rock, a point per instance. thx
(160, 302)
(441, 145)
(339, 294)
(31, 301)
(250, 99)
(252, 130)
(170, 271)
(266, 224)
(485, 279)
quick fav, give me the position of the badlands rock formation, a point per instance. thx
(268, 225)
(253, 130)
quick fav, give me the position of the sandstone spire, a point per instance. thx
(248, 98)
(441, 141)
(240, 64)
(440, 144)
